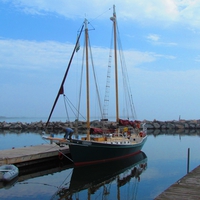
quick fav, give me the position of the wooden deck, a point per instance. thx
(31, 153)
(187, 187)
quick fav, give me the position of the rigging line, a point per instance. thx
(107, 89)
(95, 79)
(39, 184)
(63, 81)
(48, 143)
(63, 183)
(59, 151)
(89, 22)
(126, 94)
(91, 26)
(123, 74)
(126, 78)
(134, 187)
(101, 14)
(129, 93)
(124, 86)
(66, 107)
(65, 156)
(81, 80)
(71, 105)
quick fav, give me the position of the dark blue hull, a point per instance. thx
(90, 152)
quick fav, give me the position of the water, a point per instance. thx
(166, 164)
(32, 119)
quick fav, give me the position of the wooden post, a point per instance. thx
(188, 161)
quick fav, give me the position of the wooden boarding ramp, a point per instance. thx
(31, 153)
(187, 187)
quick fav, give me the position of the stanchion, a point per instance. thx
(188, 161)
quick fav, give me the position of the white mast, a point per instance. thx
(113, 18)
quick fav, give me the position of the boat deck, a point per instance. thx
(116, 140)
(187, 187)
(31, 153)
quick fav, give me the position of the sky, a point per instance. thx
(160, 39)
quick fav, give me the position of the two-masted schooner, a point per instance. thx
(106, 147)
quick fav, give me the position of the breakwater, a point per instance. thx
(181, 124)
(55, 126)
(80, 125)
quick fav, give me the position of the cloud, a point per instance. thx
(153, 37)
(32, 55)
(23, 54)
(189, 11)
(69, 9)
(151, 12)
(156, 40)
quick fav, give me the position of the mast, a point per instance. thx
(113, 18)
(87, 80)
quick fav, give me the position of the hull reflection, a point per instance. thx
(95, 177)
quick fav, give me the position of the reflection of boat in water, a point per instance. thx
(8, 184)
(96, 177)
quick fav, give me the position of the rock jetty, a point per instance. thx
(181, 124)
(54, 126)
(80, 125)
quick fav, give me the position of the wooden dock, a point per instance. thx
(31, 154)
(187, 187)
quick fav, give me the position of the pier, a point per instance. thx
(33, 154)
(187, 187)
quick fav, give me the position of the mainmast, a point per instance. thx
(87, 80)
(113, 18)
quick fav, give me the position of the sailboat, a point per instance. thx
(107, 147)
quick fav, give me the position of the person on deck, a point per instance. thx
(68, 133)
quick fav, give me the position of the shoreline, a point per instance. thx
(81, 125)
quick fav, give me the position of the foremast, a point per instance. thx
(87, 80)
(114, 20)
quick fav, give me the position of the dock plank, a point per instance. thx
(29, 153)
(187, 187)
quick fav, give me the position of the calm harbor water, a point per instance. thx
(145, 176)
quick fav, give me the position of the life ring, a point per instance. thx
(60, 156)
(141, 134)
